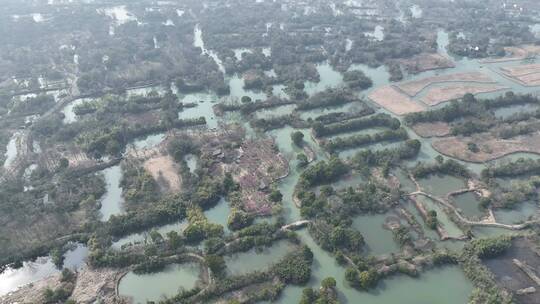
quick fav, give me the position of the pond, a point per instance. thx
(112, 200)
(406, 184)
(519, 214)
(219, 214)
(252, 260)
(204, 103)
(152, 287)
(379, 240)
(440, 185)
(149, 141)
(469, 204)
(43, 267)
(141, 237)
(237, 91)
(444, 220)
(329, 78)
(447, 285)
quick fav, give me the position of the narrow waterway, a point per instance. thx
(112, 200)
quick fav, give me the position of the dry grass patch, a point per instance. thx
(435, 96)
(394, 101)
(426, 62)
(432, 129)
(490, 147)
(412, 88)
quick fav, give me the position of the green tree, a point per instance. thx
(329, 282)
(275, 196)
(297, 138)
(302, 160)
(174, 240)
(216, 263)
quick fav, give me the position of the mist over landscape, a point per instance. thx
(269, 151)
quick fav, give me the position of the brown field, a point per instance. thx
(521, 70)
(412, 88)
(526, 75)
(392, 100)
(432, 129)
(438, 95)
(165, 171)
(426, 62)
(490, 148)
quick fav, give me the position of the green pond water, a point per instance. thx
(252, 260)
(446, 285)
(144, 236)
(428, 233)
(112, 200)
(204, 103)
(152, 287)
(520, 213)
(379, 240)
(329, 78)
(149, 141)
(451, 228)
(469, 204)
(406, 184)
(219, 214)
(441, 185)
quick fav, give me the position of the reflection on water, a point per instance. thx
(151, 287)
(41, 268)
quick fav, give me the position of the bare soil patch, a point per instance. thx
(435, 96)
(521, 70)
(426, 62)
(432, 129)
(412, 88)
(526, 75)
(389, 98)
(165, 171)
(490, 147)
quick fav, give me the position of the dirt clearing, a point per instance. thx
(435, 96)
(165, 171)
